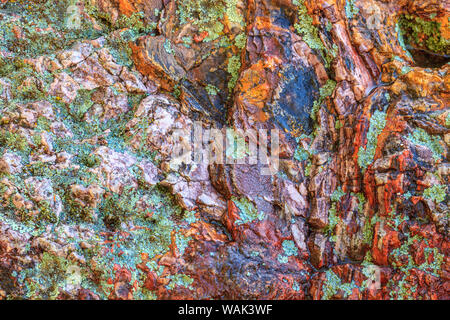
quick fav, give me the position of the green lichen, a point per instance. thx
(421, 137)
(168, 47)
(401, 41)
(76, 210)
(176, 91)
(207, 16)
(438, 259)
(187, 41)
(189, 217)
(306, 28)
(254, 254)
(282, 258)
(308, 168)
(377, 124)
(48, 277)
(404, 290)
(325, 91)
(301, 154)
(120, 49)
(46, 212)
(89, 160)
(43, 124)
(289, 248)
(367, 233)
(234, 65)
(423, 34)
(350, 9)
(204, 14)
(182, 242)
(309, 32)
(211, 89)
(296, 286)
(13, 141)
(181, 280)
(403, 263)
(240, 40)
(236, 147)
(134, 22)
(361, 202)
(27, 85)
(232, 12)
(81, 104)
(435, 193)
(337, 194)
(117, 207)
(247, 211)
(334, 285)
(333, 220)
(44, 27)
(406, 70)
(152, 235)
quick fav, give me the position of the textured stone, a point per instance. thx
(90, 182)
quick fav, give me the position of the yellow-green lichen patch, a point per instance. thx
(26, 84)
(220, 22)
(118, 207)
(435, 193)
(48, 277)
(325, 91)
(13, 141)
(306, 28)
(234, 65)
(403, 263)
(181, 280)
(168, 47)
(424, 34)
(333, 285)
(44, 27)
(310, 33)
(240, 40)
(421, 137)
(247, 211)
(211, 89)
(204, 14)
(377, 124)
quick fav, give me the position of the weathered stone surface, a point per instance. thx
(10, 163)
(92, 97)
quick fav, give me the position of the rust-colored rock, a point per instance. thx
(356, 205)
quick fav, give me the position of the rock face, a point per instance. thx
(95, 203)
